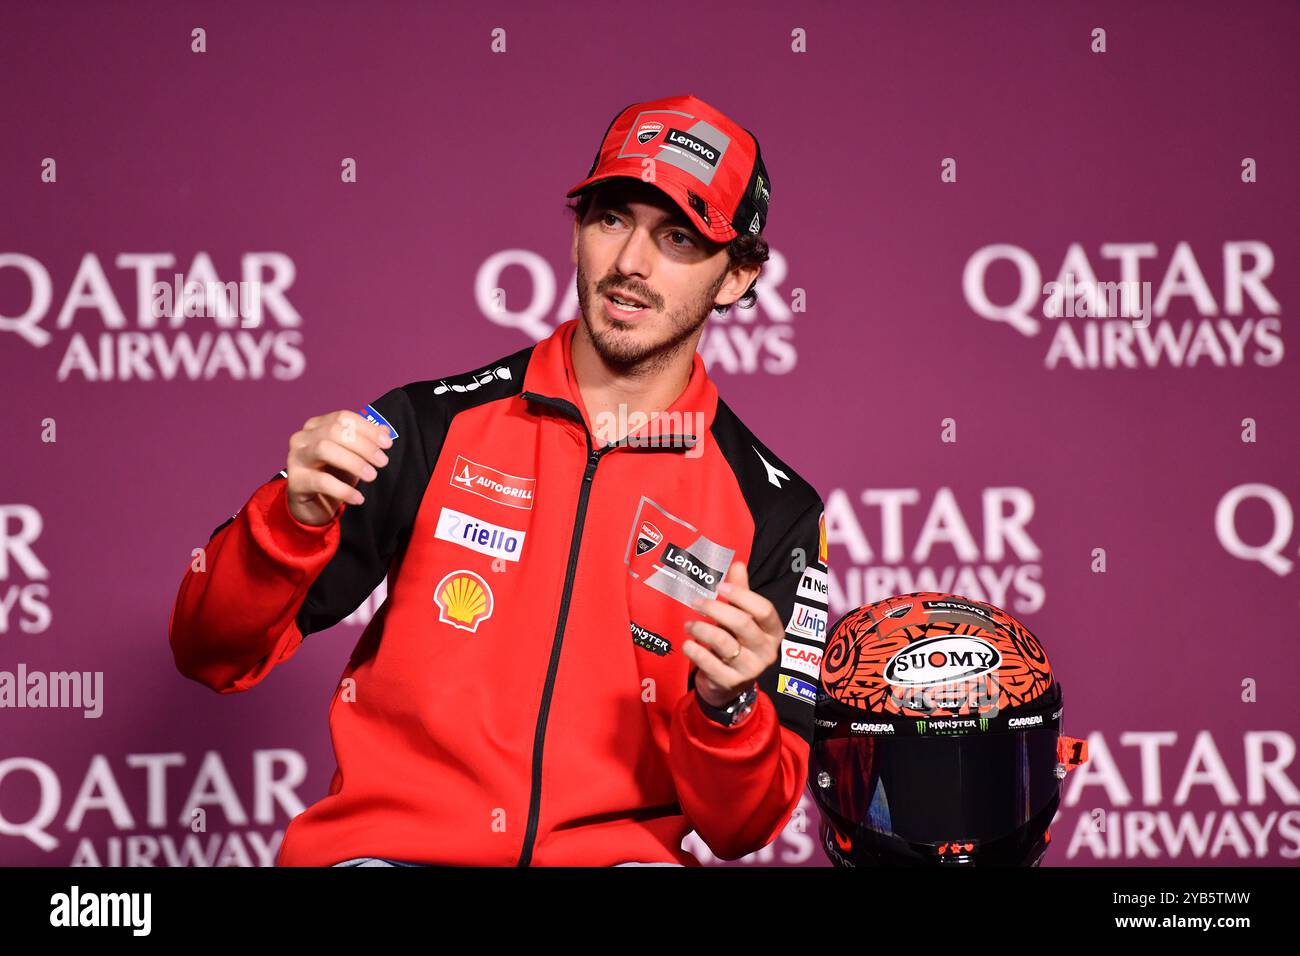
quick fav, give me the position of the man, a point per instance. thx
(607, 597)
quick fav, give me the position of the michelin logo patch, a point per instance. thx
(794, 687)
(370, 415)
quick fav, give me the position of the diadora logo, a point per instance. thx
(801, 657)
(464, 600)
(794, 687)
(647, 537)
(479, 535)
(813, 586)
(942, 660)
(774, 474)
(492, 484)
(473, 381)
(809, 622)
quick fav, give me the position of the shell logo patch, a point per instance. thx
(464, 600)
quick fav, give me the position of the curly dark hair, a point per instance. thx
(745, 250)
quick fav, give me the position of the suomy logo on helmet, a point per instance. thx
(940, 660)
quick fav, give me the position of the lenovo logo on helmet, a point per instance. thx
(942, 660)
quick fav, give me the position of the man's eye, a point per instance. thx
(686, 236)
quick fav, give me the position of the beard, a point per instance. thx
(624, 345)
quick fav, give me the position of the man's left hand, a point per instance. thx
(742, 640)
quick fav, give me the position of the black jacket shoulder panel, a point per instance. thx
(776, 494)
(372, 534)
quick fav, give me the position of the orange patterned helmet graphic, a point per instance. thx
(930, 654)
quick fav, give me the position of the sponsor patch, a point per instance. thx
(494, 485)
(794, 687)
(807, 622)
(370, 415)
(645, 638)
(672, 557)
(801, 657)
(464, 600)
(823, 553)
(478, 535)
(942, 660)
(813, 586)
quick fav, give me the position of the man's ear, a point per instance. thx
(737, 281)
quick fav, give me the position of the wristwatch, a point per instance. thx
(734, 712)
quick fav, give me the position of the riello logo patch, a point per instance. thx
(940, 660)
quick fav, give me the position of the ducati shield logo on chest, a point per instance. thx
(672, 557)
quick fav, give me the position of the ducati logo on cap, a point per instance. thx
(648, 131)
(647, 537)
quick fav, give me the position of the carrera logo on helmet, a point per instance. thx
(648, 131)
(942, 660)
(492, 484)
(647, 537)
(692, 145)
(865, 728)
(1033, 721)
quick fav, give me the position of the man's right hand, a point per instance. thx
(326, 460)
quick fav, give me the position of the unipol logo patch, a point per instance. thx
(942, 660)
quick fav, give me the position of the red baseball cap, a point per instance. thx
(707, 164)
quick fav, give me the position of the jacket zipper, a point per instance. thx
(575, 542)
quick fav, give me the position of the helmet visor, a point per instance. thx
(973, 787)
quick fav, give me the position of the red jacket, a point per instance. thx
(521, 696)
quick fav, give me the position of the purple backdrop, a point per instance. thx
(961, 443)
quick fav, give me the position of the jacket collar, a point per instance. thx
(550, 381)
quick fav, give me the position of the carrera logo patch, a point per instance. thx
(801, 657)
(510, 490)
(672, 557)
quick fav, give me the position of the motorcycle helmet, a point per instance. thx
(937, 736)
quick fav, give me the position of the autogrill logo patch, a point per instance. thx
(493, 485)
(941, 660)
